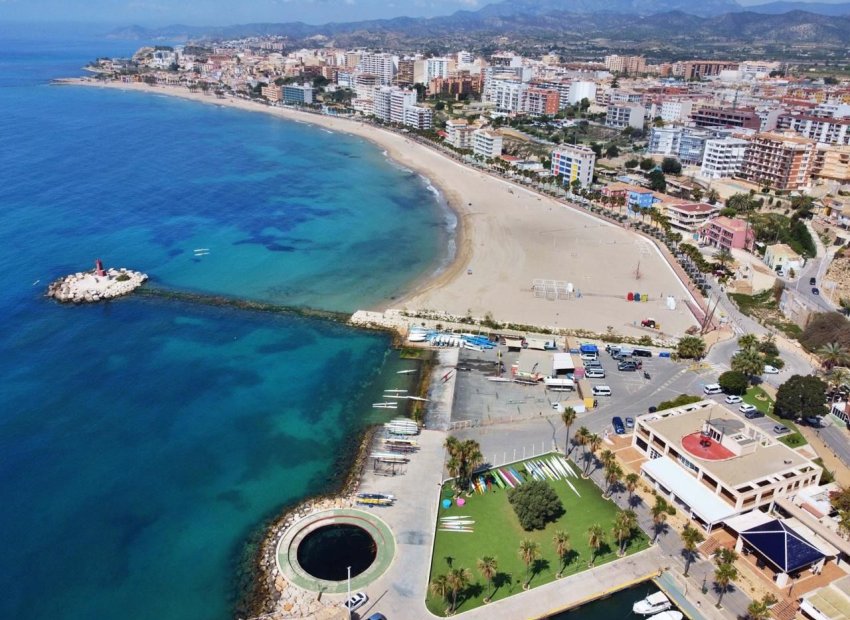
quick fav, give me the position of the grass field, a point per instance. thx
(497, 533)
(758, 397)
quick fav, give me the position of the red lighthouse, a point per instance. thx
(98, 268)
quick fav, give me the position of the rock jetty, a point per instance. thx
(96, 285)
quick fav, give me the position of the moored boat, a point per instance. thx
(652, 604)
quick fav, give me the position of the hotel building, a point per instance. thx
(781, 160)
(714, 464)
(690, 217)
(727, 232)
(723, 158)
(486, 143)
(299, 94)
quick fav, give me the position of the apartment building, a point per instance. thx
(456, 85)
(437, 68)
(418, 117)
(832, 163)
(631, 65)
(486, 143)
(727, 232)
(622, 115)
(541, 101)
(684, 143)
(709, 116)
(581, 89)
(507, 95)
(699, 69)
(690, 217)
(459, 133)
(713, 464)
(825, 130)
(381, 65)
(404, 76)
(574, 163)
(399, 100)
(675, 111)
(723, 158)
(664, 140)
(781, 160)
(272, 92)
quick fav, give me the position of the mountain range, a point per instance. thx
(677, 23)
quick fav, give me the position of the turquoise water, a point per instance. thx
(142, 442)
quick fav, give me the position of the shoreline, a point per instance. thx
(446, 268)
(506, 235)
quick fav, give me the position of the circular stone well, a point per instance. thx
(315, 552)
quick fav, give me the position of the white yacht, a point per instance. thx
(652, 604)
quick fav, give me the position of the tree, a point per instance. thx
(647, 164)
(593, 444)
(724, 257)
(632, 480)
(733, 382)
(749, 362)
(581, 438)
(712, 196)
(724, 574)
(659, 512)
(760, 610)
(691, 539)
(833, 354)
(568, 417)
(488, 567)
(529, 551)
(457, 580)
(561, 541)
(612, 151)
(657, 182)
(464, 457)
(535, 504)
(440, 587)
(768, 346)
(691, 347)
(680, 401)
(595, 540)
(671, 165)
(613, 474)
(624, 525)
(696, 194)
(632, 163)
(801, 396)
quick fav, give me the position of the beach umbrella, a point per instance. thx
(460, 501)
(447, 503)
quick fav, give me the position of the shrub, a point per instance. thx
(801, 396)
(122, 277)
(671, 165)
(535, 504)
(679, 401)
(733, 382)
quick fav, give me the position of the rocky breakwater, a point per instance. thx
(91, 286)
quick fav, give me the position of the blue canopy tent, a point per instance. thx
(782, 547)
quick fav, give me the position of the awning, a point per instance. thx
(782, 546)
(562, 361)
(702, 502)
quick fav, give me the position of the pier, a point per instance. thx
(97, 285)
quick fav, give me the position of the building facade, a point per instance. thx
(782, 161)
(727, 232)
(689, 217)
(723, 158)
(541, 101)
(574, 163)
(708, 116)
(298, 94)
(622, 115)
(486, 143)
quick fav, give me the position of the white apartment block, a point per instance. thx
(379, 64)
(581, 90)
(437, 68)
(418, 117)
(382, 102)
(507, 95)
(622, 115)
(723, 158)
(675, 111)
(465, 58)
(574, 163)
(486, 143)
(399, 100)
(459, 133)
(821, 129)
(665, 141)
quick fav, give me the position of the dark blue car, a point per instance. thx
(619, 427)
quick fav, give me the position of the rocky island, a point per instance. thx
(96, 285)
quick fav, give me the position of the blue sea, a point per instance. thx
(143, 442)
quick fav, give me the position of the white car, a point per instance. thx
(734, 400)
(771, 370)
(746, 408)
(356, 601)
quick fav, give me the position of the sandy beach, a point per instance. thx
(507, 237)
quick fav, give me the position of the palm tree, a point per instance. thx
(613, 474)
(624, 525)
(568, 417)
(724, 574)
(529, 551)
(440, 587)
(561, 540)
(458, 579)
(748, 341)
(691, 539)
(833, 354)
(488, 567)
(724, 256)
(606, 457)
(595, 539)
(593, 444)
(632, 480)
(749, 361)
(757, 610)
(659, 516)
(581, 438)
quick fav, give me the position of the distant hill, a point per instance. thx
(820, 8)
(586, 7)
(547, 23)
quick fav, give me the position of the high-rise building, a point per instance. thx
(726, 117)
(622, 115)
(436, 68)
(832, 163)
(574, 162)
(382, 102)
(418, 117)
(298, 94)
(582, 90)
(507, 95)
(541, 101)
(825, 130)
(405, 77)
(459, 133)
(664, 140)
(380, 64)
(486, 143)
(781, 160)
(698, 69)
(399, 100)
(625, 64)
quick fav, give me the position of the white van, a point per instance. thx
(601, 390)
(713, 388)
(589, 357)
(594, 373)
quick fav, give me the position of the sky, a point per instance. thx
(227, 12)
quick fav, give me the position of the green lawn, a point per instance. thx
(758, 397)
(497, 533)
